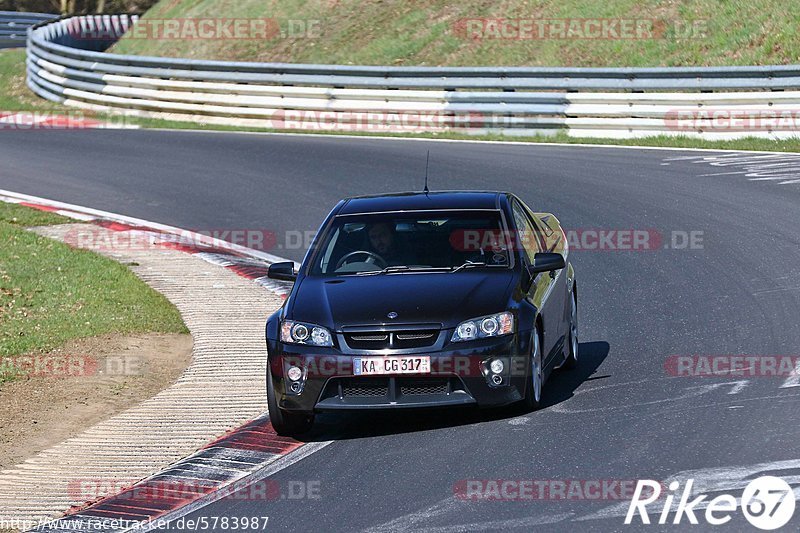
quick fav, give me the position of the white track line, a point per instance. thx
(79, 212)
(474, 141)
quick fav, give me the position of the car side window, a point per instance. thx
(526, 234)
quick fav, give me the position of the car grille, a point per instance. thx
(428, 386)
(365, 388)
(382, 340)
(381, 387)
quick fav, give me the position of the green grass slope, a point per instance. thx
(51, 293)
(413, 32)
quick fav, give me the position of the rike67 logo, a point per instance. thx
(767, 503)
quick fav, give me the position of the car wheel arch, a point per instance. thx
(272, 327)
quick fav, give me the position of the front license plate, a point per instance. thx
(376, 366)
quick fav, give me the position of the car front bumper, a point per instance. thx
(459, 376)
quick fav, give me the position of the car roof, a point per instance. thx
(416, 201)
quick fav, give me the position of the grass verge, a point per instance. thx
(435, 32)
(51, 293)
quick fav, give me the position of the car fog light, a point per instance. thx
(497, 380)
(497, 366)
(294, 373)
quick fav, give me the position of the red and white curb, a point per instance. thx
(204, 398)
(218, 469)
(246, 262)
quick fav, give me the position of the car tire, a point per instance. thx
(572, 355)
(286, 423)
(533, 388)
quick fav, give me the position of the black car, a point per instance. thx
(422, 299)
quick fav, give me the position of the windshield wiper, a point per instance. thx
(470, 264)
(398, 268)
(394, 268)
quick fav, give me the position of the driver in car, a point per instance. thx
(383, 241)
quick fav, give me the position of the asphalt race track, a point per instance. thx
(621, 415)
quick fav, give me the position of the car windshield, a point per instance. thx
(448, 241)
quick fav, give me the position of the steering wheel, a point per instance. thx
(379, 261)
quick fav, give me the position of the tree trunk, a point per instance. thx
(63, 7)
(101, 6)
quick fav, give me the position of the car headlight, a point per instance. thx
(300, 333)
(484, 326)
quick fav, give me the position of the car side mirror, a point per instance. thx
(282, 271)
(546, 262)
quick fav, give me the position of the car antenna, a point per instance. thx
(427, 160)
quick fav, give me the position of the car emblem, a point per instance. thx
(392, 315)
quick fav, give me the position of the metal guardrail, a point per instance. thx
(14, 27)
(67, 63)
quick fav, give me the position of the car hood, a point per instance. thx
(417, 298)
